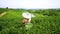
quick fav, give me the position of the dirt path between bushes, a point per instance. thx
(2, 14)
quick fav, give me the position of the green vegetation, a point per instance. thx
(47, 21)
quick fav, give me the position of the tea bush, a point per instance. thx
(11, 23)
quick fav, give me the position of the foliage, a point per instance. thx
(46, 22)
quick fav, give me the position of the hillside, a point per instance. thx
(45, 22)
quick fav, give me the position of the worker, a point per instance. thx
(27, 17)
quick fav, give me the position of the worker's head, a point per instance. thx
(25, 20)
(27, 16)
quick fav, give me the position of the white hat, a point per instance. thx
(27, 15)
